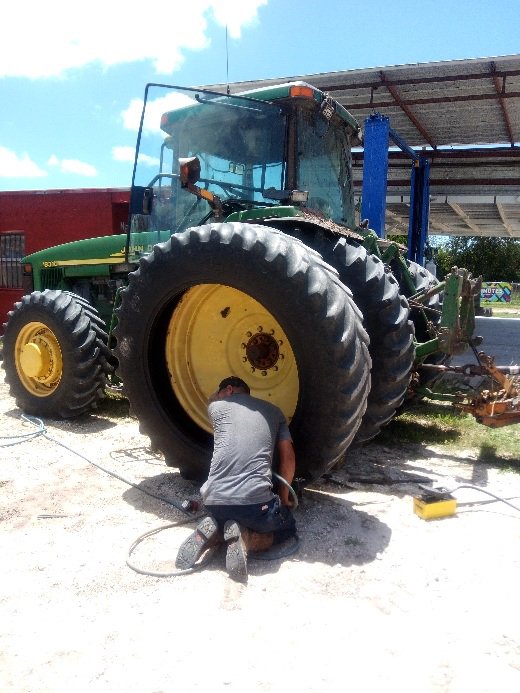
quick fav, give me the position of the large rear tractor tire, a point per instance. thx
(244, 300)
(55, 354)
(425, 323)
(387, 320)
(423, 280)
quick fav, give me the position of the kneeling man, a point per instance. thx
(238, 493)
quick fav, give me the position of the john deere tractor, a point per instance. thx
(242, 257)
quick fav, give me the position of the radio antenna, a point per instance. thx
(227, 63)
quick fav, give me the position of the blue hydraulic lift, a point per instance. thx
(377, 136)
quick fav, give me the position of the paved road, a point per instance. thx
(501, 340)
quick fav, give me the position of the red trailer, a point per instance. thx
(32, 220)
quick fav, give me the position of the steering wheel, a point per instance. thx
(231, 188)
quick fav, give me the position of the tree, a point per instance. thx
(496, 259)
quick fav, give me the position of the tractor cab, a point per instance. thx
(205, 156)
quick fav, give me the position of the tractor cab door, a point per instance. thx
(239, 145)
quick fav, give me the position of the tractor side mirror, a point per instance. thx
(189, 171)
(141, 200)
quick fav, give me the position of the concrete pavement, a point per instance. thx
(501, 340)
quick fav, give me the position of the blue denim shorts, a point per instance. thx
(260, 517)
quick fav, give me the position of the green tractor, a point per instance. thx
(242, 257)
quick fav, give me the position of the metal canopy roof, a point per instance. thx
(465, 117)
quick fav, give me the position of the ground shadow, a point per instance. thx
(401, 433)
(93, 422)
(487, 458)
(401, 429)
(488, 455)
(141, 453)
(330, 529)
(405, 469)
(162, 495)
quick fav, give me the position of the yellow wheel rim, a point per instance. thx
(216, 331)
(38, 359)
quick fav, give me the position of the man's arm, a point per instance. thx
(286, 469)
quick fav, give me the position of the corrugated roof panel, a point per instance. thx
(462, 218)
(453, 103)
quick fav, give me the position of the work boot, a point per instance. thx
(203, 537)
(236, 553)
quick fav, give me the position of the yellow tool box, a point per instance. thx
(433, 504)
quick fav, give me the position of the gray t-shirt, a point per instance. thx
(246, 430)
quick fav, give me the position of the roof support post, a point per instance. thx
(375, 172)
(375, 177)
(419, 210)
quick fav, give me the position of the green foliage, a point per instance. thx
(398, 238)
(439, 424)
(496, 259)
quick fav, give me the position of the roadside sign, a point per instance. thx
(495, 292)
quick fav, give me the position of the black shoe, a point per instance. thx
(204, 536)
(236, 554)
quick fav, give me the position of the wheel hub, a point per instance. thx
(38, 359)
(216, 331)
(34, 360)
(262, 351)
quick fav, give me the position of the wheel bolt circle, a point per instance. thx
(262, 351)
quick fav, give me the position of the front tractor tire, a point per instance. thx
(244, 300)
(55, 355)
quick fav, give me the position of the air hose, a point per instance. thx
(208, 556)
(289, 488)
(42, 431)
(291, 546)
(443, 491)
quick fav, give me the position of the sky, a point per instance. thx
(71, 73)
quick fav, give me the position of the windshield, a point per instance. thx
(239, 143)
(324, 165)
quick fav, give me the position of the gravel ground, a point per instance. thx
(375, 598)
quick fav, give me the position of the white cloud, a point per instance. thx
(75, 166)
(12, 165)
(236, 14)
(57, 35)
(127, 154)
(154, 109)
(131, 116)
(148, 160)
